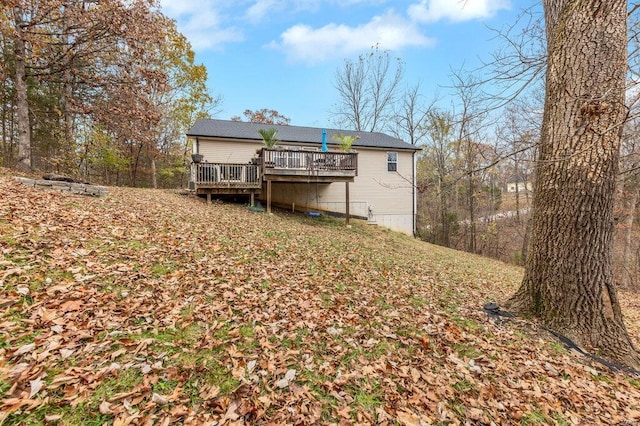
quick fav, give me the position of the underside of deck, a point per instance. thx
(203, 190)
(302, 176)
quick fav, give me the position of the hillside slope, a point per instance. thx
(148, 306)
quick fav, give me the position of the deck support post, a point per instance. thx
(268, 195)
(253, 198)
(346, 193)
(209, 197)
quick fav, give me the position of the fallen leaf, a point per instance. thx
(71, 305)
(159, 399)
(17, 370)
(408, 419)
(66, 353)
(24, 349)
(231, 412)
(36, 385)
(288, 377)
(105, 408)
(117, 353)
(9, 272)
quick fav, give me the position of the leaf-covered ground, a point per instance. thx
(151, 307)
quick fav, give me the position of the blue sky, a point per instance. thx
(283, 54)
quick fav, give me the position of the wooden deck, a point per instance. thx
(226, 178)
(276, 164)
(308, 166)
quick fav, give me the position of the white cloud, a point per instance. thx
(455, 10)
(201, 22)
(390, 31)
(260, 9)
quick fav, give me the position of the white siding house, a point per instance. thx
(519, 186)
(381, 188)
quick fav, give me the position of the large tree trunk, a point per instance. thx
(568, 279)
(22, 105)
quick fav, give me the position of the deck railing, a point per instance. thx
(223, 175)
(309, 160)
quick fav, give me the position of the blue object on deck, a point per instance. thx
(325, 148)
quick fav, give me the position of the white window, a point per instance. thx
(392, 161)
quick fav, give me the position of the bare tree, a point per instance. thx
(367, 90)
(438, 159)
(411, 117)
(470, 120)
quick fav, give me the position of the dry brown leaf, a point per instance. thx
(408, 419)
(35, 385)
(105, 408)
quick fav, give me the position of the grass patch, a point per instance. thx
(382, 303)
(457, 407)
(368, 396)
(222, 332)
(467, 351)
(247, 331)
(327, 300)
(164, 386)
(159, 270)
(187, 311)
(3, 343)
(220, 376)
(315, 381)
(466, 323)
(558, 348)
(86, 415)
(26, 338)
(560, 421)
(534, 417)
(464, 386)
(449, 305)
(4, 387)
(418, 301)
(603, 378)
(123, 381)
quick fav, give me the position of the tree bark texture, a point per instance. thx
(568, 280)
(22, 105)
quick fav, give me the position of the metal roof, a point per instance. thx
(208, 127)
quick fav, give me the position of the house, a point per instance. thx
(519, 184)
(375, 181)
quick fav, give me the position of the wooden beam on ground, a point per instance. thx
(72, 187)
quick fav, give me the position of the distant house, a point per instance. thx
(519, 184)
(377, 176)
